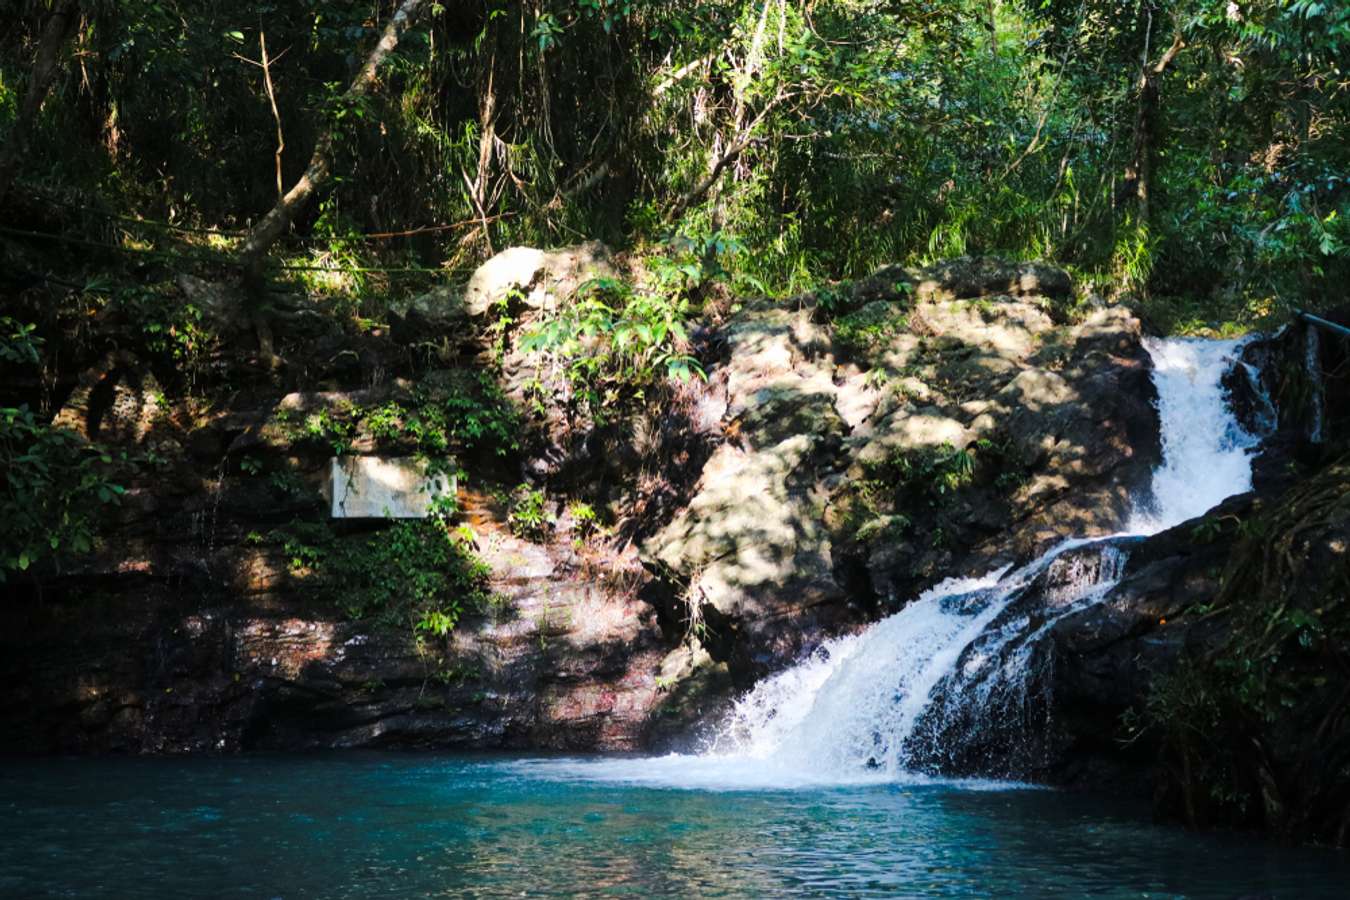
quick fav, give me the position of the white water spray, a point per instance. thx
(1206, 453)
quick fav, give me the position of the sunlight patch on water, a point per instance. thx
(729, 773)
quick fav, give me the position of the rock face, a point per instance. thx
(218, 650)
(538, 277)
(1205, 673)
(881, 438)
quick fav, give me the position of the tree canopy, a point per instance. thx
(1190, 153)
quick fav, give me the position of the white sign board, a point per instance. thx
(373, 487)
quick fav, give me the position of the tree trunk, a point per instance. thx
(487, 136)
(273, 225)
(1139, 171)
(54, 35)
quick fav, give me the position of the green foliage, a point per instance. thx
(55, 489)
(871, 328)
(54, 485)
(829, 138)
(616, 339)
(585, 520)
(9, 101)
(447, 412)
(894, 491)
(937, 471)
(18, 342)
(168, 328)
(462, 408)
(611, 335)
(529, 516)
(336, 427)
(417, 574)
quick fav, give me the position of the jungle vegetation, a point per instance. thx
(1191, 154)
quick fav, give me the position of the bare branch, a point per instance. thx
(276, 116)
(273, 225)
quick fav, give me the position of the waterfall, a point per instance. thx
(1312, 366)
(1206, 452)
(887, 702)
(940, 687)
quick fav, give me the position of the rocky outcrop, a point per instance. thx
(881, 437)
(193, 638)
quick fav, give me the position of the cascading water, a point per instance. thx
(1206, 452)
(884, 705)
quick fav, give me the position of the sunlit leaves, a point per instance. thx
(53, 492)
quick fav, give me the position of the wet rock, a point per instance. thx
(1254, 732)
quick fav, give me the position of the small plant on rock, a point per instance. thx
(529, 517)
(585, 521)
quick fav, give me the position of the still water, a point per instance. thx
(377, 825)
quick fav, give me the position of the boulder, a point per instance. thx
(440, 311)
(750, 549)
(538, 278)
(966, 278)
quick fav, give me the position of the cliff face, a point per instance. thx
(138, 663)
(846, 450)
(921, 424)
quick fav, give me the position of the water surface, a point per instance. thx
(383, 825)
